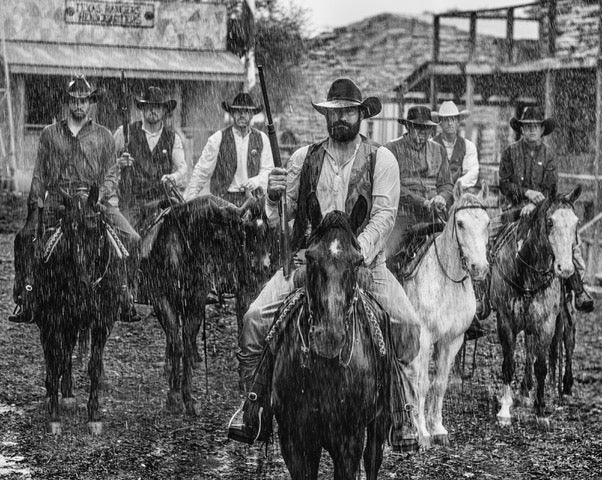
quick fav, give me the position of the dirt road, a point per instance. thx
(143, 441)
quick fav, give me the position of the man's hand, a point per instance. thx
(249, 186)
(527, 209)
(438, 203)
(126, 160)
(168, 178)
(534, 196)
(276, 183)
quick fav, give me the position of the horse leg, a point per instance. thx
(541, 370)
(67, 399)
(51, 344)
(526, 385)
(173, 352)
(195, 322)
(101, 330)
(347, 455)
(419, 372)
(508, 341)
(569, 348)
(190, 328)
(446, 352)
(373, 453)
(301, 451)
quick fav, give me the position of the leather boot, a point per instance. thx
(583, 301)
(23, 312)
(252, 422)
(403, 435)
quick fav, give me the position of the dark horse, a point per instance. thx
(530, 259)
(330, 380)
(202, 244)
(78, 285)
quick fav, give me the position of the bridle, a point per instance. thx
(460, 249)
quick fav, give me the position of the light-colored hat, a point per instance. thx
(449, 109)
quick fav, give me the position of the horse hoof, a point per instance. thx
(94, 428)
(190, 410)
(441, 439)
(174, 402)
(543, 423)
(54, 428)
(425, 443)
(504, 421)
(68, 403)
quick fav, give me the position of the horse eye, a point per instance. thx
(550, 223)
(460, 224)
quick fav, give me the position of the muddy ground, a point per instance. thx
(141, 440)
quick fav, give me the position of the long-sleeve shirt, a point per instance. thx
(525, 168)
(200, 181)
(332, 192)
(65, 160)
(470, 163)
(178, 160)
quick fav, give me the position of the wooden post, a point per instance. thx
(510, 35)
(550, 91)
(472, 43)
(592, 260)
(433, 92)
(551, 28)
(469, 105)
(436, 22)
(9, 104)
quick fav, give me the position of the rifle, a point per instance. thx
(285, 248)
(125, 112)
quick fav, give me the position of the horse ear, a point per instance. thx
(574, 195)
(458, 189)
(358, 214)
(484, 192)
(314, 212)
(93, 195)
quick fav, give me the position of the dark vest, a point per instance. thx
(226, 163)
(360, 184)
(141, 183)
(457, 158)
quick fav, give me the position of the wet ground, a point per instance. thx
(141, 440)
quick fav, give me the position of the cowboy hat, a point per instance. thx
(154, 96)
(533, 115)
(79, 87)
(345, 93)
(449, 109)
(242, 101)
(417, 116)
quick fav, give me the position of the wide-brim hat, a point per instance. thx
(79, 87)
(154, 96)
(449, 109)
(420, 116)
(533, 115)
(242, 101)
(344, 93)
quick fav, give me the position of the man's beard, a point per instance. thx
(342, 131)
(78, 115)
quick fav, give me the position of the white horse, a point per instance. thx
(442, 293)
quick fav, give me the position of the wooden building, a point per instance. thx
(179, 45)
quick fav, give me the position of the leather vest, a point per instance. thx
(360, 184)
(457, 158)
(226, 163)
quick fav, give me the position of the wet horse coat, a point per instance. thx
(330, 384)
(442, 293)
(532, 257)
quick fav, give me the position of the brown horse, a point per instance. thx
(530, 259)
(204, 243)
(330, 383)
(77, 281)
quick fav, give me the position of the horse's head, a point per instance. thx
(259, 237)
(555, 223)
(333, 257)
(469, 222)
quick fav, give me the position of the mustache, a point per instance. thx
(341, 123)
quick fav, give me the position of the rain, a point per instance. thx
(300, 212)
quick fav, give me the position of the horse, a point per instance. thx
(530, 259)
(329, 382)
(441, 290)
(202, 244)
(78, 282)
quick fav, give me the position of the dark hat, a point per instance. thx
(79, 87)
(345, 93)
(154, 96)
(242, 101)
(419, 115)
(533, 115)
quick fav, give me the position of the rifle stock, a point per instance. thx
(285, 248)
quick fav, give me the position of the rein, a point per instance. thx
(460, 250)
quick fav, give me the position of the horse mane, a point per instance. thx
(335, 219)
(467, 199)
(208, 208)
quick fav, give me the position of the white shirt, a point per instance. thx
(179, 167)
(200, 181)
(332, 190)
(470, 164)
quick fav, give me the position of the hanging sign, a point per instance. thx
(110, 14)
